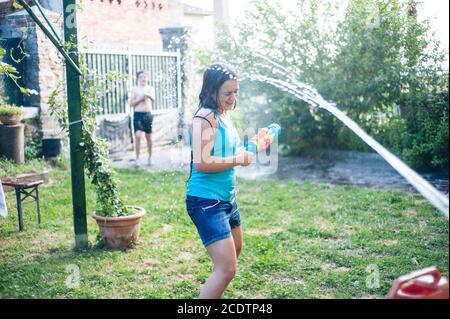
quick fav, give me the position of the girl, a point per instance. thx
(210, 195)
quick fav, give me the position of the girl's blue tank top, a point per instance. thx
(217, 185)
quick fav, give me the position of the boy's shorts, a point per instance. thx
(143, 121)
(213, 218)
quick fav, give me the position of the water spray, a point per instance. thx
(310, 95)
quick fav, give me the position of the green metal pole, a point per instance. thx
(75, 127)
(50, 36)
(38, 5)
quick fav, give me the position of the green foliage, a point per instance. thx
(377, 62)
(296, 42)
(428, 140)
(11, 110)
(33, 142)
(10, 168)
(12, 73)
(33, 148)
(16, 6)
(95, 149)
(393, 81)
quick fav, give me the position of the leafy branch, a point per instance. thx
(95, 149)
(12, 73)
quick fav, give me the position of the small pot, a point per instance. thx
(10, 119)
(51, 147)
(120, 231)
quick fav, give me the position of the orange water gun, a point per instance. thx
(263, 139)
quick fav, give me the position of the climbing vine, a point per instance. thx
(95, 149)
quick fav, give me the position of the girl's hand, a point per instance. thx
(243, 157)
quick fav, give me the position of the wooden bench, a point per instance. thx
(27, 187)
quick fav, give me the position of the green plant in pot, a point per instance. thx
(11, 114)
(119, 224)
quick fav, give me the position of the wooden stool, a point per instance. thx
(24, 187)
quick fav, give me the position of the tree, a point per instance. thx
(377, 62)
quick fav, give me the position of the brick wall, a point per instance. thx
(43, 68)
(50, 73)
(99, 22)
(120, 23)
(5, 8)
(104, 23)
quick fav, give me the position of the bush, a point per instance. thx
(380, 64)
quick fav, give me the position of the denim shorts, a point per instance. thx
(213, 218)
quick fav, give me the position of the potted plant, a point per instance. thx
(51, 146)
(11, 114)
(119, 224)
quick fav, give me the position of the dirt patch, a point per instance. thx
(410, 213)
(191, 245)
(288, 281)
(29, 257)
(332, 207)
(188, 277)
(146, 264)
(286, 219)
(263, 232)
(5, 243)
(420, 201)
(370, 297)
(335, 241)
(334, 267)
(423, 224)
(48, 238)
(324, 296)
(152, 262)
(165, 229)
(388, 242)
(312, 241)
(357, 252)
(262, 295)
(323, 224)
(184, 255)
(142, 281)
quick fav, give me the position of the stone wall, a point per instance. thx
(43, 67)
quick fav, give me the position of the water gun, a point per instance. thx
(263, 139)
(422, 284)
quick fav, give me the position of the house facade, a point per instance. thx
(136, 25)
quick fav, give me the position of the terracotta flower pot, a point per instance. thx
(121, 231)
(10, 119)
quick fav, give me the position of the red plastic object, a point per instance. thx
(422, 284)
(262, 139)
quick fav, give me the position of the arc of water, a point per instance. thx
(310, 95)
(439, 200)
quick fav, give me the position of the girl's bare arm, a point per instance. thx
(202, 144)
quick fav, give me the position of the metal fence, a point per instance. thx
(117, 71)
(163, 69)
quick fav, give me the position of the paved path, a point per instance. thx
(348, 168)
(164, 158)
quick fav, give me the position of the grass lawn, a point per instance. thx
(301, 240)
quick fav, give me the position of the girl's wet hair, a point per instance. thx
(213, 78)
